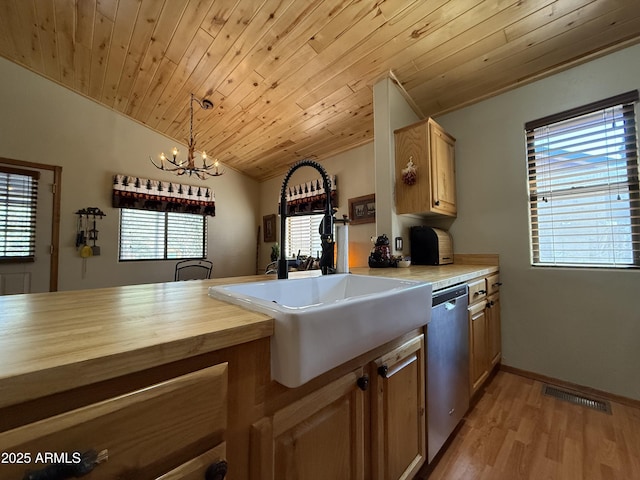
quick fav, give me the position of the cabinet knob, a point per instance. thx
(497, 284)
(216, 471)
(363, 382)
(76, 465)
(383, 370)
(437, 203)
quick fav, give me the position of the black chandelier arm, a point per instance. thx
(162, 166)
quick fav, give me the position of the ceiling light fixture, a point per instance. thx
(182, 167)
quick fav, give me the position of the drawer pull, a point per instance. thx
(480, 292)
(216, 471)
(62, 471)
(497, 284)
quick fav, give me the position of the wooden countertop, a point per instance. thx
(51, 342)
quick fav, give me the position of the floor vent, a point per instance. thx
(576, 398)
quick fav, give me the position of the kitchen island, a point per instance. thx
(68, 350)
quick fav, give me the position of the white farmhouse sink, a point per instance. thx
(322, 322)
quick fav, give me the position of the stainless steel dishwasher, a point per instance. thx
(447, 365)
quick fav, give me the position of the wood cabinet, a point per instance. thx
(432, 152)
(398, 412)
(325, 434)
(170, 430)
(485, 336)
(494, 325)
(211, 464)
(317, 437)
(478, 351)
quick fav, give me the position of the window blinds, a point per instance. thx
(303, 236)
(18, 203)
(149, 235)
(583, 185)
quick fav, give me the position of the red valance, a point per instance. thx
(146, 194)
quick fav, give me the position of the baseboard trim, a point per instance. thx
(629, 402)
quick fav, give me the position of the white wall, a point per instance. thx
(46, 123)
(354, 170)
(391, 112)
(578, 325)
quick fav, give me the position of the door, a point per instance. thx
(443, 172)
(398, 412)
(478, 347)
(494, 328)
(33, 276)
(318, 437)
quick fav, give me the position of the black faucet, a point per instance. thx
(326, 226)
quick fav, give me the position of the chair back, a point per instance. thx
(193, 270)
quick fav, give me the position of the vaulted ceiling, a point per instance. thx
(292, 79)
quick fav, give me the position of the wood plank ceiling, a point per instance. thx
(293, 78)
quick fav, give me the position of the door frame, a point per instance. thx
(55, 217)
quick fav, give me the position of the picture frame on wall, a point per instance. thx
(362, 209)
(269, 228)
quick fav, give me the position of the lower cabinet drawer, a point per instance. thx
(140, 435)
(211, 464)
(477, 290)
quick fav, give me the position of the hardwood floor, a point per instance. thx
(516, 432)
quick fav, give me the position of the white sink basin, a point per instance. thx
(322, 322)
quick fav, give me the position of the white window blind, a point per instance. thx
(18, 203)
(583, 185)
(303, 236)
(149, 235)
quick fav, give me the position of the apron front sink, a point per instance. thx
(322, 322)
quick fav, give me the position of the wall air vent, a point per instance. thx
(576, 398)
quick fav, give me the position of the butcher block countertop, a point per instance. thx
(52, 342)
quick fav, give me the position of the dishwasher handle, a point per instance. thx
(449, 294)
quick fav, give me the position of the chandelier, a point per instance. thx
(188, 166)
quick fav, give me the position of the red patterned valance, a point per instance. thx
(310, 197)
(145, 194)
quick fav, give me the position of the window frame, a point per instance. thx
(626, 102)
(166, 239)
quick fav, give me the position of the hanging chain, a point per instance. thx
(191, 124)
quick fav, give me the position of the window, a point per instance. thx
(18, 200)
(583, 185)
(150, 235)
(302, 235)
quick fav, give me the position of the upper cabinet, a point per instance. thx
(431, 187)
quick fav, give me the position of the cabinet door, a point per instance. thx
(398, 412)
(478, 348)
(443, 172)
(318, 437)
(494, 329)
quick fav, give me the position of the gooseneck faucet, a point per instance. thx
(326, 226)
